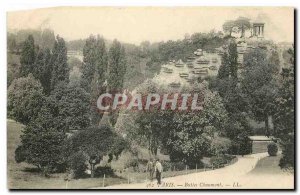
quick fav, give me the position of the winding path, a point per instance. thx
(234, 176)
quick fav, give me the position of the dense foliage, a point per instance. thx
(42, 143)
(272, 149)
(284, 117)
(24, 99)
(94, 143)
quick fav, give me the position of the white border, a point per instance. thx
(12, 5)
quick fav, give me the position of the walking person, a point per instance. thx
(158, 171)
(150, 168)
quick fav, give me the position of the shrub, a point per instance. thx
(167, 165)
(100, 171)
(241, 145)
(77, 163)
(221, 159)
(220, 146)
(179, 166)
(20, 154)
(132, 163)
(272, 149)
(288, 154)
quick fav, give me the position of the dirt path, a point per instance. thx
(231, 177)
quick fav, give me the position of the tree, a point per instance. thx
(220, 146)
(94, 69)
(47, 39)
(97, 142)
(229, 65)
(284, 117)
(77, 163)
(151, 128)
(117, 66)
(11, 43)
(243, 24)
(60, 69)
(242, 144)
(259, 84)
(227, 83)
(43, 69)
(234, 100)
(25, 99)
(232, 59)
(42, 143)
(224, 71)
(96, 90)
(228, 26)
(147, 128)
(27, 57)
(70, 103)
(13, 68)
(94, 61)
(116, 71)
(189, 137)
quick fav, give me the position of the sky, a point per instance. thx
(137, 24)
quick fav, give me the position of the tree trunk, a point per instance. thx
(155, 151)
(267, 126)
(149, 151)
(92, 170)
(243, 32)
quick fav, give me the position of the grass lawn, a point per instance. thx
(269, 165)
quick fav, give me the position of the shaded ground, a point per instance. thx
(269, 165)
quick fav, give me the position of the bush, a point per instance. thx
(100, 171)
(178, 166)
(241, 145)
(272, 149)
(220, 160)
(167, 165)
(220, 146)
(77, 163)
(132, 163)
(20, 154)
(288, 154)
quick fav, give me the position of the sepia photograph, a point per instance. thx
(151, 98)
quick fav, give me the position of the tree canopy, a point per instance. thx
(25, 98)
